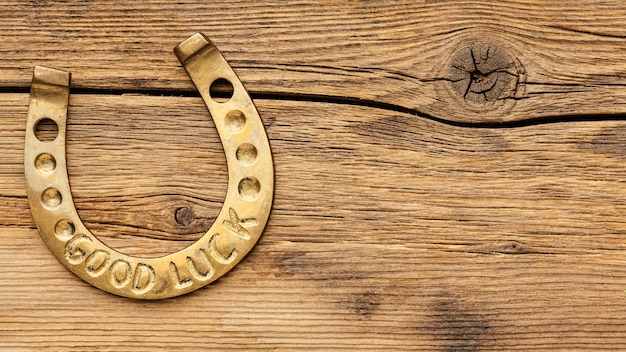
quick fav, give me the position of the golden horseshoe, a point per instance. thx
(237, 228)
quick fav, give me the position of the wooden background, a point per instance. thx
(450, 175)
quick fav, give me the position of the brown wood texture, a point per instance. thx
(569, 54)
(406, 217)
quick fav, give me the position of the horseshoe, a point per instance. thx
(237, 228)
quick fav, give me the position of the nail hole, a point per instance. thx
(46, 130)
(51, 198)
(249, 188)
(246, 154)
(64, 229)
(235, 121)
(221, 90)
(45, 163)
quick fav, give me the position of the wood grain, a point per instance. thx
(449, 174)
(570, 53)
(388, 232)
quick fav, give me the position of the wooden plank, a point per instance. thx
(388, 232)
(464, 61)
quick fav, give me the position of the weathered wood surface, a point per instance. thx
(389, 231)
(569, 54)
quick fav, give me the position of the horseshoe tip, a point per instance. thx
(191, 46)
(46, 75)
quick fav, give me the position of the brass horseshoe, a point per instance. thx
(237, 228)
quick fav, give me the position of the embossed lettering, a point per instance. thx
(236, 225)
(178, 283)
(219, 257)
(121, 273)
(144, 278)
(97, 262)
(74, 254)
(193, 267)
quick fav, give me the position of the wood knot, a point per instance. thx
(184, 216)
(484, 74)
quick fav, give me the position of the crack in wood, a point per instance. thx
(344, 100)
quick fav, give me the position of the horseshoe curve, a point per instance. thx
(237, 228)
